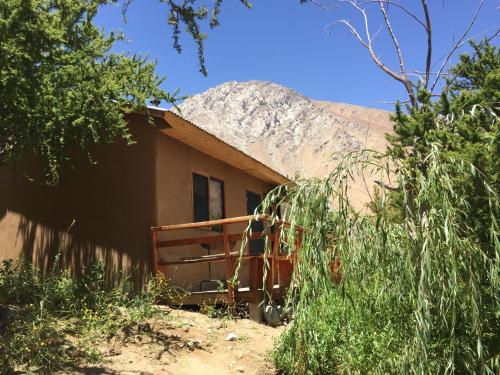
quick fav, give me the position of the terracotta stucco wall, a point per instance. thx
(112, 205)
(175, 163)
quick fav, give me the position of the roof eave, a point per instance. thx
(198, 138)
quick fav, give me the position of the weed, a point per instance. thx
(57, 321)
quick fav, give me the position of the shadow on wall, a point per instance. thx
(101, 211)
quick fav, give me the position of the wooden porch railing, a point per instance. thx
(281, 264)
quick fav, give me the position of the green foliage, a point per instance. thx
(61, 87)
(418, 292)
(54, 321)
(465, 123)
(419, 296)
(188, 14)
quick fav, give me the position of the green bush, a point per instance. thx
(420, 296)
(54, 321)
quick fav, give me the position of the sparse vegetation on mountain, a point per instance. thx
(285, 129)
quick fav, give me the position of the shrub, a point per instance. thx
(54, 321)
(419, 296)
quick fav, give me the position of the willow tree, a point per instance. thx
(419, 293)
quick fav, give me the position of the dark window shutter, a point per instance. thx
(200, 197)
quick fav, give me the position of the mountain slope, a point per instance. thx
(284, 129)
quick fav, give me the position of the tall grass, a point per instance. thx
(54, 321)
(419, 295)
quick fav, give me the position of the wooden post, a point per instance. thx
(272, 273)
(256, 276)
(285, 271)
(154, 251)
(229, 270)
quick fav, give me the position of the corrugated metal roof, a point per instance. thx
(279, 178)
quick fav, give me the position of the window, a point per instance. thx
(208, 198)
(200, 197)
(216, 204)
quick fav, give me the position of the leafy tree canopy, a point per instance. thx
(61, 87)
(465, 123)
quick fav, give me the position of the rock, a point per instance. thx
(127, 331)
(281, 312)
(272, 316)
(186, 328)
(191, 346)
(198, 344)
(286, 313)
(144, 327)
(240, 369)
(231, 337)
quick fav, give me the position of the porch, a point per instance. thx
(274, 281)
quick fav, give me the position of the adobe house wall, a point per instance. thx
(175, 164)
(114, 203)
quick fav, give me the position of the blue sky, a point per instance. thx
(285, 42)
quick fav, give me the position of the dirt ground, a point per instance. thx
(189, 343)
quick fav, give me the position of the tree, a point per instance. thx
(421, 121)
(465, 123)
(412, 79)
(187, 14)
(62, 88)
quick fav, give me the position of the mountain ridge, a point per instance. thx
(285, 129)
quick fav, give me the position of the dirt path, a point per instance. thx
(189, 343)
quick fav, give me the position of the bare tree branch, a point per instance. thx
(408, 12)
(367, 43)
(354, 32)
(428, 29)
(393, 37)
(419, 72)
(456, 45)
(409, 78)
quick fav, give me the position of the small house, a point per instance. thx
(175, 173)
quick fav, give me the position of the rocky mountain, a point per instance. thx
(285, 129)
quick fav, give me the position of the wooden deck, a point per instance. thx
(280, 264)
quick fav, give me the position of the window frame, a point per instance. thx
(209, 177)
